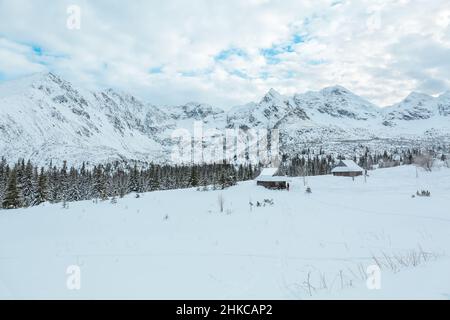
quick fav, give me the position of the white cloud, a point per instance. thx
(166, 51)
(17, 59)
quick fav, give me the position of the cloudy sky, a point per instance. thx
(231, 52)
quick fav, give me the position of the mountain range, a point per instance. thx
(45, 118)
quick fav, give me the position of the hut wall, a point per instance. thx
(348, 174)
(272, 184)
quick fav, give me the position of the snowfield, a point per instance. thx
(178, 245)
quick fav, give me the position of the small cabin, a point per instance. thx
(269, 179)
(347, 168)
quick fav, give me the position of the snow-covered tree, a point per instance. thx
(12, 197)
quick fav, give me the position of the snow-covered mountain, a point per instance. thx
(43, 117)
(416, 106)
(418, 116)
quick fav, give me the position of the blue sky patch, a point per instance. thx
(271, 53)
(40, 55)
(239, 74)
(195, 73)
(291, 74)
(225, 54)
(298, 39)
(264, 75)
(155, 70)
(37, 50)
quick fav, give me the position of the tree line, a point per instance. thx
(25, 184)
(309, 163)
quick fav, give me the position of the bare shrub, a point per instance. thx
(387, 164)
(221, 202)
(315, 280)
(424, 161)
(398, 261)
(307, 284)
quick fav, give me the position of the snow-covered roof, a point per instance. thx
(268, 174)
(347, 166)
(269, 171)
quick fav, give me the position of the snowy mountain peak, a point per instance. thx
(273, 92)
(417, 97)
(34, 81)
(43, 118)
(416, 106)
(336, 102)
(45, 78)
(272, 95)
(336, 90)
(193, 110)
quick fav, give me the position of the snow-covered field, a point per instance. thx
(177, 244)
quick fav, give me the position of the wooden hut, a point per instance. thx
(347, 168)
(270, 180)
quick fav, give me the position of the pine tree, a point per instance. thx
(41, 188)
(154, 178)
(4, 175)
(27, 185)
(100, 183)
(12, 198)
(54, 188)
(193, 181)
(134, 180)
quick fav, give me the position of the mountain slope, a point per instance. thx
(45, 118)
